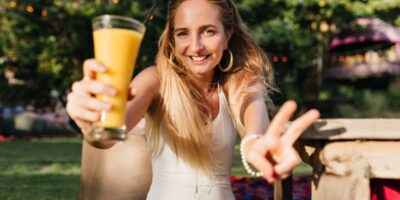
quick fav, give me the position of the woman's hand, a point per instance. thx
(273, 153)
(82, 105)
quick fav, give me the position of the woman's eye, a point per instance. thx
(181, 34)
(209, 32)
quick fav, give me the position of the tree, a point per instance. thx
(45, 41)
(301, 30)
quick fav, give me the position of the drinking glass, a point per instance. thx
(117, 42)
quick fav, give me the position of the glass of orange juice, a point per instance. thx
(117, 42)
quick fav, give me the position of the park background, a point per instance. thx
(43, 44)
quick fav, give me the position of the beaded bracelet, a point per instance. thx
(246, 165)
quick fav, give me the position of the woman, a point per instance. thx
(210, 80)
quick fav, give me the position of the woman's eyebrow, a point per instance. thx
(208, 26)
(201, 27)
(180, 29)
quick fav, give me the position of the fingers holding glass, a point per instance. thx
(79, 111)
(82, 104)
(132, 92)
(88, 87)
(91, 67)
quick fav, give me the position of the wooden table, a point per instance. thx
(346, 153)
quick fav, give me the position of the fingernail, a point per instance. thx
(274, 174)
(113, 92)
(108, 107)
(102, 69)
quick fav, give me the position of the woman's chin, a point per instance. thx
(201, 71)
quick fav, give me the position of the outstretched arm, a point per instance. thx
(145, 89)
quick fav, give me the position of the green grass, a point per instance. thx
(49, 169)
(40, 169)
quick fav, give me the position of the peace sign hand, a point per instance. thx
(273, 153)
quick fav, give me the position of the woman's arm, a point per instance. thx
(146, 92)
(255, 115)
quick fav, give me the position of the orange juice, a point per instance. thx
(117, 49)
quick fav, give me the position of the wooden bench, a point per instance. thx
(346, 153)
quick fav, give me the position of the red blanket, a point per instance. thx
(385, 189)
(258, 189)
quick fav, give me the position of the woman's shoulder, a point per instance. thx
(148, 76)
(149, 71)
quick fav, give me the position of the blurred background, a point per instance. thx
(340, 56)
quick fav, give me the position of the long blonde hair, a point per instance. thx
(180, 118)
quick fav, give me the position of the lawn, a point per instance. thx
(40, 169)
(49, 169)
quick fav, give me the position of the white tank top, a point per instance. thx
(174, 179)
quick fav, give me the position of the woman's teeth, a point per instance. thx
(199, 58)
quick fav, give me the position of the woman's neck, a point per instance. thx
(205, 83)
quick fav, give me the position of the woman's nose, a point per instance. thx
(196, 45)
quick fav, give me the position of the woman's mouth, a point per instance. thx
(199, 58)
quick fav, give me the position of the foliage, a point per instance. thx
(301, 30)
(356, 101)
(47, 46)
(45, 42)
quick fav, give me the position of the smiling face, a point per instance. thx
(199, 36)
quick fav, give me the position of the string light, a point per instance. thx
(44, 13)
(284, 59)
(151, 17)
(333, 27)
(13, 4)
(324, 27)
(29, 9)
(322, 4)
(386, 55)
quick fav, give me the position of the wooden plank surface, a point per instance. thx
(349, 165)
(350, 129)
(381, 157)
(330, 187)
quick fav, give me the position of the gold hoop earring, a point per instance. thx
(230, 62)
